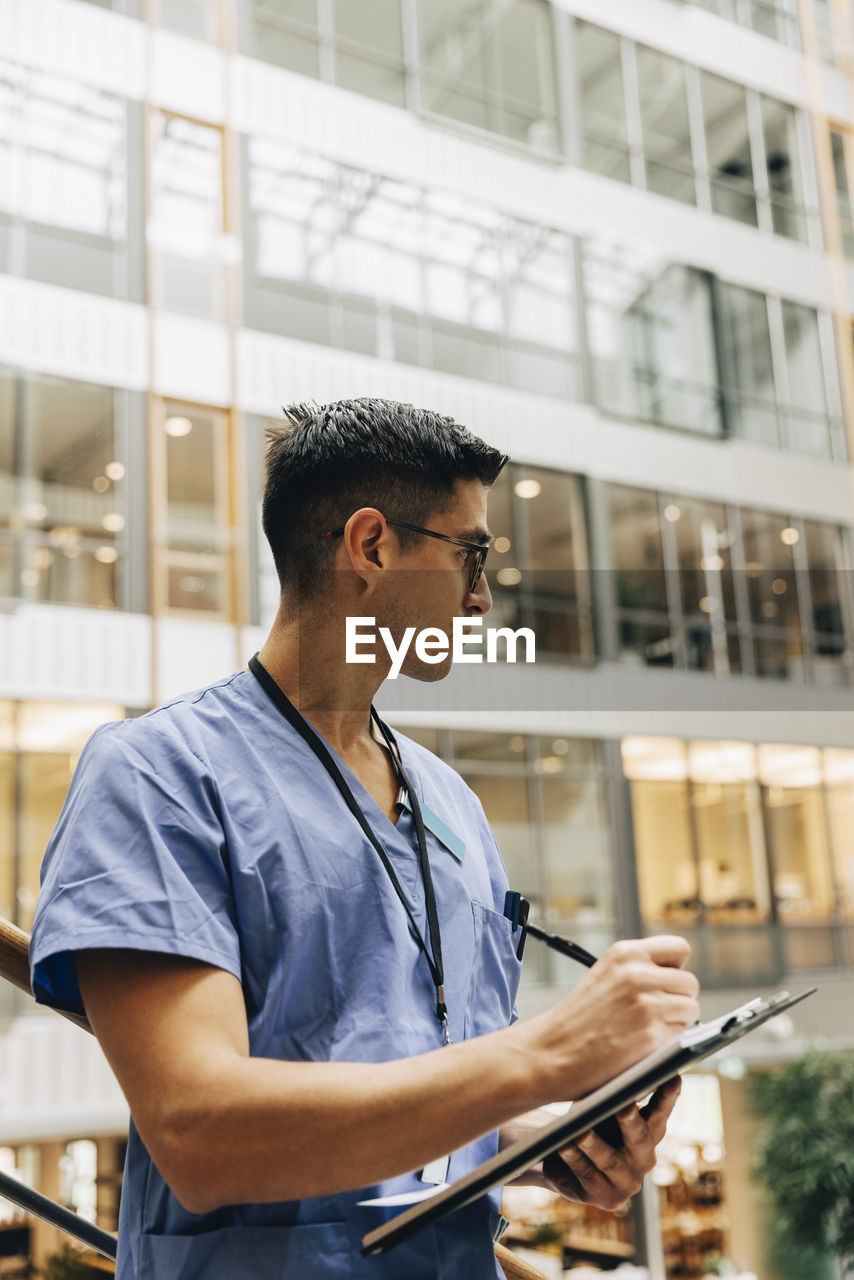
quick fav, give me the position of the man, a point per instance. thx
(304, 991)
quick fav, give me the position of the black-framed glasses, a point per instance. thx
(479, 550)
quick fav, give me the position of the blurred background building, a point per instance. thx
(615, 240)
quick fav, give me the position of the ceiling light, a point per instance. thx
(709, 604)
(527, 488)
(548, 764)
(501, 545)
(672, 513)
(177, 426)
(113, 522)
(100, 484)
(106, 555)
(789, 536)
(115, 470)
(712, 563)
(779, 586)
(509, 577)
(34, 511)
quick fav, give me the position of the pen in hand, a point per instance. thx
(516, 910)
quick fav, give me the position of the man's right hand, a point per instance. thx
(637, 997)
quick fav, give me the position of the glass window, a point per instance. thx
(604, 137)
(807, 395)
(777, 19)
(791, 779)
(844, 208)
(661, 811)
(729, 835)
(79, 1177)
(194, 534)
(63, 496)
(506, 804)
(63, 152)
(195, 18)
(673, 351)
(637, 556)
(797, 843)
(829, 595)
(7, 835)
(132, 8)
(422, 276)
(664, 125)
(538, 563)
(554, 588)
(43, 780)
(749, 388)
(369, 49)
(774, 18)
(577, 859)
(839, 779)
(829, 21)
(490, 64)
(703, 548)
(285, 33)
(651, 335)
(186, 222)
(728, 148)
(769, 553)
(782, 158)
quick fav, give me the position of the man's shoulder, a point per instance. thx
(182, 719)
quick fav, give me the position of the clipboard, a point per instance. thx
(691, 1047)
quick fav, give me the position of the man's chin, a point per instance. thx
(427, 672)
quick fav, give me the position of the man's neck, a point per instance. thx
(306, 660)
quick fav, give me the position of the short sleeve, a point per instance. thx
(138, 860)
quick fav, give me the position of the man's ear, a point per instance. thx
(369, 545)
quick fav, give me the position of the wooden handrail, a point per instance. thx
(514, 1267)
(15, 968)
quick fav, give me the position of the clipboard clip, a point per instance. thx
(748, 1011)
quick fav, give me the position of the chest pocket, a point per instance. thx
(494, 974)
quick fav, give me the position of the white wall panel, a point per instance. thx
(187, 76)
(692, 34)
(90, 655)
(274, 371)
(614, 700)
(76, 40)
(78, 335)
(56, 1084)
(190, 655)
(191, 359)
(357, 131)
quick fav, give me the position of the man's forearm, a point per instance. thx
(226, 1127)
(263, 1130)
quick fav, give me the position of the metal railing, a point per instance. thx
(15, 968)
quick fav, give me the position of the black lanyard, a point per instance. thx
(313, 740)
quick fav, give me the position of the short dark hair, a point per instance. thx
(326, 461)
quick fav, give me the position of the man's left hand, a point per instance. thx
(593, 1172)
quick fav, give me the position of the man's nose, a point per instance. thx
(479, 600)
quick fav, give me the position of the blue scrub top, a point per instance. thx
(209, 829)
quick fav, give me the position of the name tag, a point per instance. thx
(436, 1171)
(434, 823)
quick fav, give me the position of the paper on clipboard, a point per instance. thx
(672, 1059)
